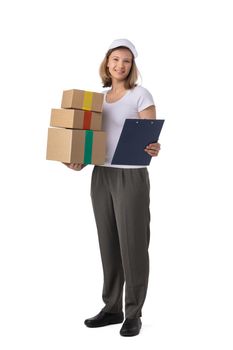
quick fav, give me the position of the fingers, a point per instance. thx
(153, 149)
(152, 153)
(74, 166)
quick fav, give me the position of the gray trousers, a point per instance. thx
(120, 199)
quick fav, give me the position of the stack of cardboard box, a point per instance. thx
(75, 135)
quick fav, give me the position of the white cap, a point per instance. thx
(126, 43)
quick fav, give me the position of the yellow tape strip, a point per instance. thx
(87, 100)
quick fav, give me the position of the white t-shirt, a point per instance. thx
(114, 114)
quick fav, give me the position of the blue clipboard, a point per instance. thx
(135, 136)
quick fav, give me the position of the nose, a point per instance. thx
(120, 64)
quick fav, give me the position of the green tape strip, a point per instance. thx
(88, 146)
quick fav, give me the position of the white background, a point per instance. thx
(50, 268)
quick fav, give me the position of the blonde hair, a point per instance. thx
(130, 81)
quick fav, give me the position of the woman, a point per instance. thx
(120, 196)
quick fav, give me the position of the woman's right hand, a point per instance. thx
(75, 166)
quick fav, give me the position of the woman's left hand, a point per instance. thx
(153, 149)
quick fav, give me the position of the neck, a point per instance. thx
(118, 86)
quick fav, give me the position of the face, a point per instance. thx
(120, 63)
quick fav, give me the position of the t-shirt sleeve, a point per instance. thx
(145, 100)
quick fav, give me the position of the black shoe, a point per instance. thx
(104, 319)
(131, 327)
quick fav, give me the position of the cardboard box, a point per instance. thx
(76, 119)
(80, 99)
(76, 146)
